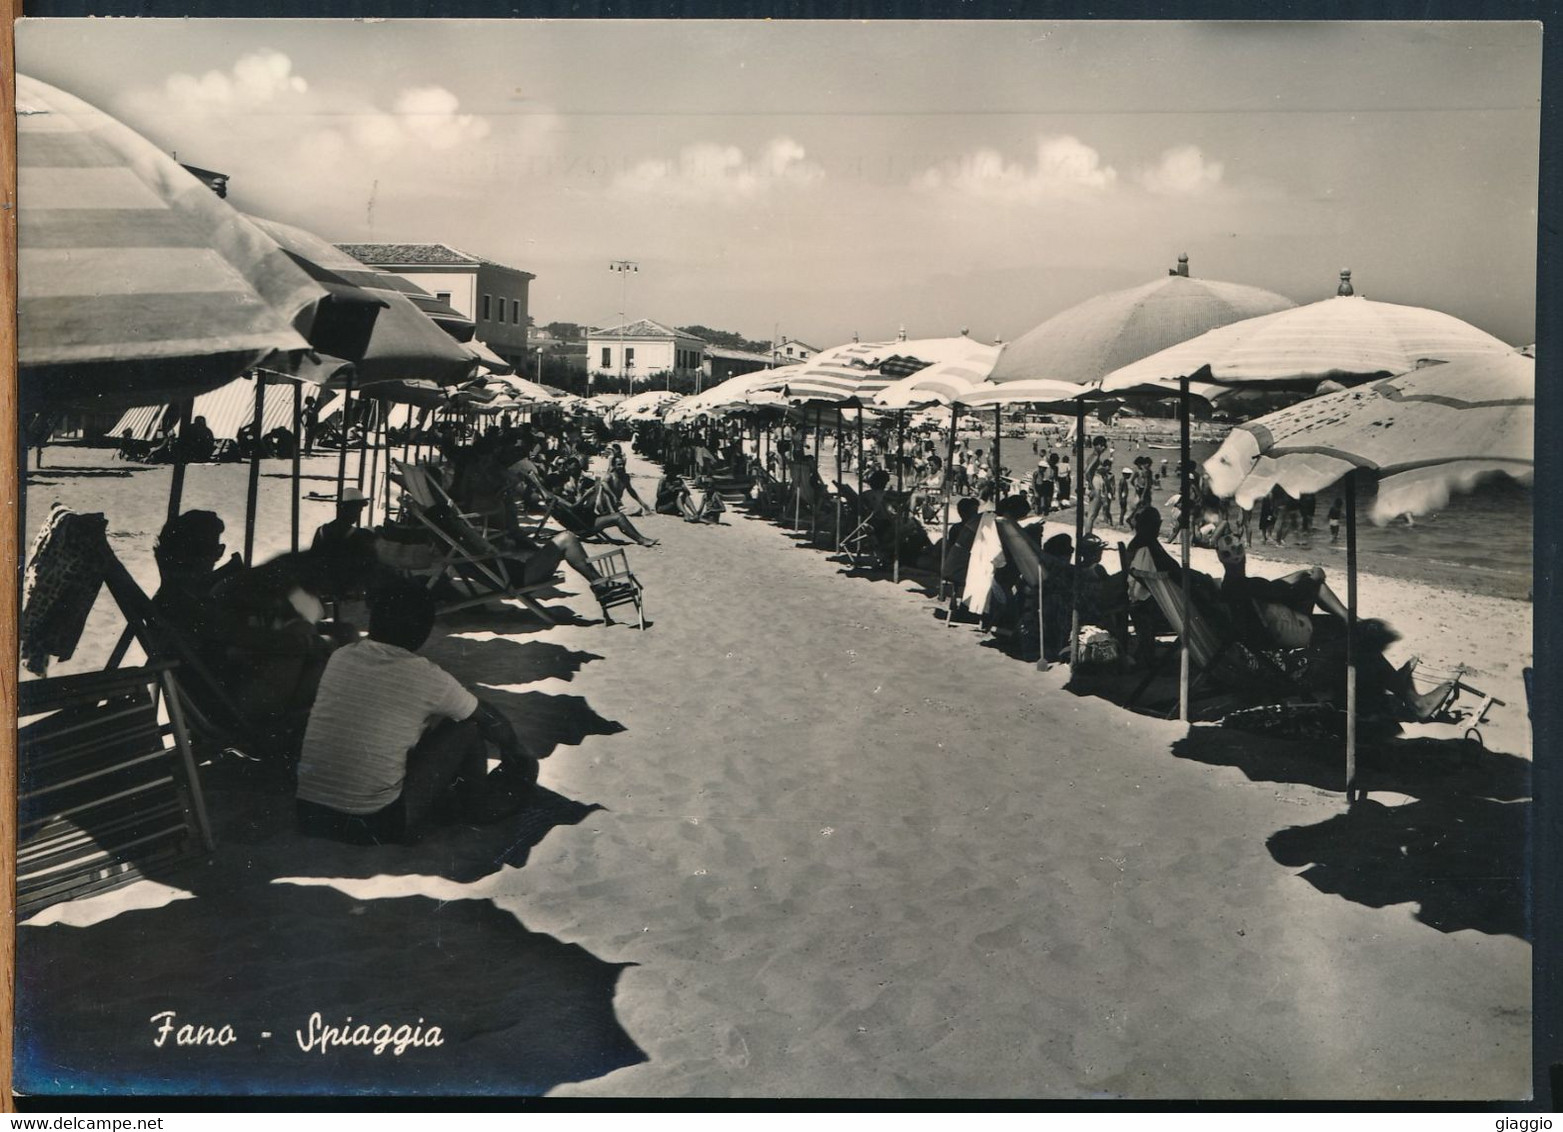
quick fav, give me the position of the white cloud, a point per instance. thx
(1064, 166)
(710, 173)
(429, 113)
(1182, 171)
(257, 82)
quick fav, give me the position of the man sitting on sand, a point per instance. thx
(391, 733)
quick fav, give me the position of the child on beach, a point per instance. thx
(1336, 511)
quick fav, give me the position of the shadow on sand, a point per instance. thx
(499, 660)
(35, 477)
(519, 1012)
(1458, 851)
(268, 938)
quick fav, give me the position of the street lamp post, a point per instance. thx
(623, 267)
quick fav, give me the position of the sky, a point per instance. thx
(823, 179)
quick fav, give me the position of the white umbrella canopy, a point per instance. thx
(1057, 394)
(1346, 339)
(862, 370)
(651, 401)
(1102, 334)
(522, 389)
(736, 394)
(1424, 434)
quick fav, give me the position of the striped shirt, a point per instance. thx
(374, 703)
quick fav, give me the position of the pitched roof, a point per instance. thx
(642, 328)
(420, 255)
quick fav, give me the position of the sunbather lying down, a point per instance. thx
(1277, 613)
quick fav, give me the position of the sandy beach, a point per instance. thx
(801, 838)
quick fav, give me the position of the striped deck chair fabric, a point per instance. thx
(106, 790)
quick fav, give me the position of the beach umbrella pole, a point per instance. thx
(341, 459)
(819, 434)
(838, 477)
(860, 449)
(1352, 793)
(176, 485)
(1077, 484)
(1042, 664)
(363, 439)
(252, 493)
(1186, 479)
(374, 463)
(900, 489)
(998, 476)
(298, 450)
(949, 478)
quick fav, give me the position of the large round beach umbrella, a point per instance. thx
(137, 283)
(1422, 435)
(405, 344)
(1346, 339)
(1095, 337)
(1080, 345)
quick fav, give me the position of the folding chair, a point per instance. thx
(619, 585)
(214, 718)
(105, 789)
(471, 564)
(1215, 657)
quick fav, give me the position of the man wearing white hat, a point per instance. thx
(343, 542)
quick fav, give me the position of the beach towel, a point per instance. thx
(987, 553)
(62, 582)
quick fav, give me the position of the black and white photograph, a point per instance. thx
(693, 559)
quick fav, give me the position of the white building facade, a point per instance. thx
(643, 350)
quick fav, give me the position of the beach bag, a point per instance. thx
(1098, 648)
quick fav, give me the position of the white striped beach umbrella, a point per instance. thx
(955, 366)
(839, 374)
(136, 282)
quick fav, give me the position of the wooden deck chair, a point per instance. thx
(808, 497)
(213, 717)
(106, 790)
(769, 494)
(424, 487)
(619, 585)
(471, 564)
(1215, 657)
